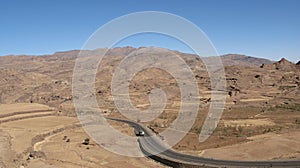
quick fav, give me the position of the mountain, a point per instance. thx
(48, 79)
(260, 100)
(243, 60)
(228, 59)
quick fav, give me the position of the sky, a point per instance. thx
(261, 28)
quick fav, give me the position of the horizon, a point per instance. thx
(267, 29)
(237, 54)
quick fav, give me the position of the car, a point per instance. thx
(140, 133)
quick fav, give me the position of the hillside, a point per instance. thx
(262, 96)
(47, 79)
(243, 60)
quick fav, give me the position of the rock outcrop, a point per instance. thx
(284, 65)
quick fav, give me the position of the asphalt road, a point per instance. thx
(155, 145)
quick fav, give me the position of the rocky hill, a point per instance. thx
(47, 79)
(262, 95)
(243, 60)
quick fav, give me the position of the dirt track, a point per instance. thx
(37, 128)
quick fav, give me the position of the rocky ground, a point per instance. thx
(53, 141)
(262, 101)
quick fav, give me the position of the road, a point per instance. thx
(152, 145)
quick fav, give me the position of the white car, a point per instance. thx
(140, 133)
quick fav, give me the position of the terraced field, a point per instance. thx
(34, 136)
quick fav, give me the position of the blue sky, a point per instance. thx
(262, 28)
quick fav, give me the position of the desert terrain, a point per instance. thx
(39, 128)
(30, 139)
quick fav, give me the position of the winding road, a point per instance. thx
(151, 145)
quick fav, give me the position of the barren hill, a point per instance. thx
(47, 79)
(262, 95)
(243, 60)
